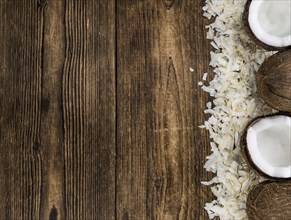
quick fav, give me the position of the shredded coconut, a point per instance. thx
(204, 76)
(235, 59)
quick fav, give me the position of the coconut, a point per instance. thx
(266, 144)
(274, 81)
(268, 23)
(270, 200)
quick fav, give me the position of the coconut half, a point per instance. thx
(269, 23)
(267, 144)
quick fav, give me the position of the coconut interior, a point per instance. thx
(270, 21)
(269, 145)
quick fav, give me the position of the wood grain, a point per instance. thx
(57, 109)
(89, 109)
(20, 125)
(99, 111)
(52, 134)
(160, 150)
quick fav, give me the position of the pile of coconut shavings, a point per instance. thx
(234, 59)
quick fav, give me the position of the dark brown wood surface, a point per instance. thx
(99, 112)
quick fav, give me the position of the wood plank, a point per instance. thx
(31, 123)
(20, 124)
(52, 134)
(160, 149)
(57, 100)
(89, 109)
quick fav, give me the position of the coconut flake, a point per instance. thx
(204, 76)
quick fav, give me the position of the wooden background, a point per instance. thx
(99, 111)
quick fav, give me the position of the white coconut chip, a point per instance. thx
(235, 103)
(204, 76)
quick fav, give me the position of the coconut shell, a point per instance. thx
(253, 37)
(270, 200)
(246, 154)
(274, 81)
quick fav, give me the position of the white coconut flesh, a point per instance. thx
(270, 21)
(269, 145)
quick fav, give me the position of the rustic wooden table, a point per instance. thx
(99, 111)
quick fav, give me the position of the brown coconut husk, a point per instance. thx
(270, 200)
(274, 81)
(246, 154)
(253, 36)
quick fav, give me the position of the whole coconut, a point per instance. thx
(270, 200)
(274, 81)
